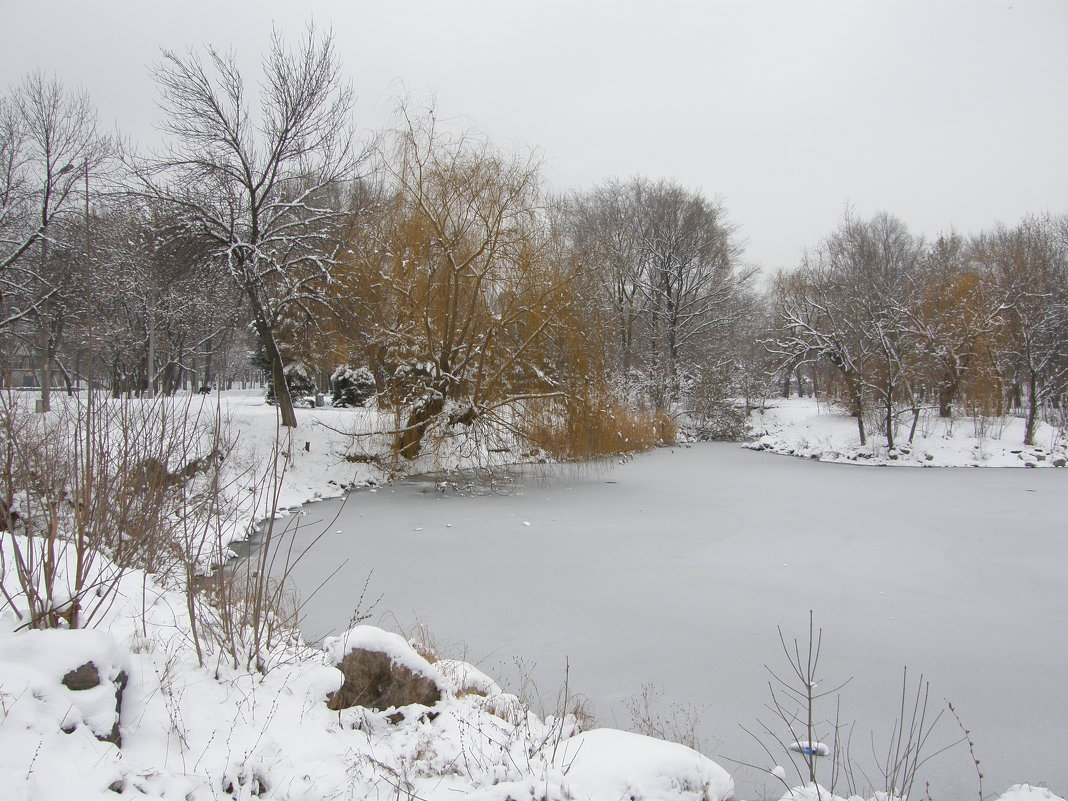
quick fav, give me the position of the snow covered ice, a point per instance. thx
(678, 572)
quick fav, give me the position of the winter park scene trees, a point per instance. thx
(350, 448)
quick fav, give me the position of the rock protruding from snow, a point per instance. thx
(610, 764)
(82, 672)
(381, 671)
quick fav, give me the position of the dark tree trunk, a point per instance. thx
(278, 373)
(889, 417)
(946, 392)
(409, 442)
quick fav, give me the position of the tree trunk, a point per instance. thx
(945, 400)
(409, 442)
(150, 362)
(858, 408)
(915, 421)
(1032, 409)
(889, 418)
(278, 374)
(46, 380)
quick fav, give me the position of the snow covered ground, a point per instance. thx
(673, 568)
(815, 430)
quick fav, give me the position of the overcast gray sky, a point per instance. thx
(943, 113)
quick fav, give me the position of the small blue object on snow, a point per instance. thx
(810, 749)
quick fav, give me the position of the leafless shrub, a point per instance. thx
(680, 724)
(98, 487)
(93, 478)
(818, 746)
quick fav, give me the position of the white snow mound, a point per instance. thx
(607, 764)
(463, 677)
(1025, 792)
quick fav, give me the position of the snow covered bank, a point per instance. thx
(192, 728)
(188, 732)
(814, 430)
(154, 701)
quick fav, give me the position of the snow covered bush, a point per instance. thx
(143, 487)
(351, 387)
(301, 386)
(715, 411)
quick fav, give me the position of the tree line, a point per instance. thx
(895, 326)
(586, 322)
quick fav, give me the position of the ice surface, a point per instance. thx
(678, 573)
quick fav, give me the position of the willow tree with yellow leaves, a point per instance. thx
(450, 273)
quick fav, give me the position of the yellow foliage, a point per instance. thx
(583, 431)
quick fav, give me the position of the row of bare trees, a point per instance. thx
(264, 224)
(663, 274)
(96, 282)
(900, 325)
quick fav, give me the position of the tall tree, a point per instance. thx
(952, 320)
(453, 272)
(667, 263)
(260, 183)
(847, 305)
(48, 139)
(49, 145)
(1029, 266)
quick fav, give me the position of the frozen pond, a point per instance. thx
(674, 570)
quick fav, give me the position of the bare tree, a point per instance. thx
(261, 184)
(667, 263)
(165, 313)
(814, 326)
(600, 230)
(690, 257)
(847, 305)
(1029, 266)
(48, 144)
(48, 138)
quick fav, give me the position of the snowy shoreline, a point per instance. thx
(809, 429)
(215, 731)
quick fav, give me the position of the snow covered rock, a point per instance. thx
(81, 673)
(381, 671)
(609, 764)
